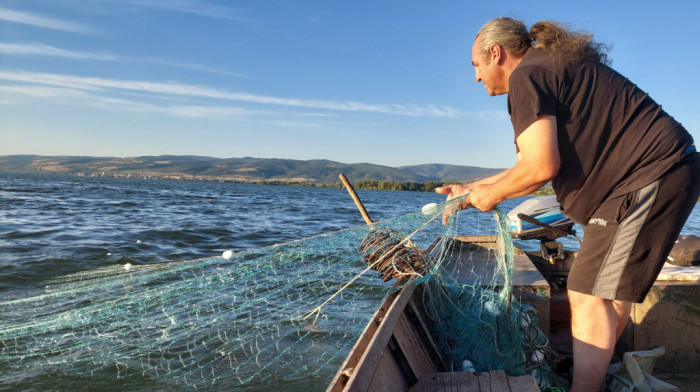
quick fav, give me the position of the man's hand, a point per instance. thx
(479, 197)
(454, 191)
(482, 198)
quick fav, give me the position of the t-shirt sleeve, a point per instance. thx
(532, 91)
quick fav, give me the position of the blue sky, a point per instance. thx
(386, 82)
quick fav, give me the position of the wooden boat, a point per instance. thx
(397, 353)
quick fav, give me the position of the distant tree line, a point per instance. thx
(377, 185)
(543, 192)
(428, 186)
(368, 185)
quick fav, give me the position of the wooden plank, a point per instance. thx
(670, 317)
(385, 379)
(484, 382)
(444, 382)
(478, 239)
(358, 350)
(367, 365)
(416, 310)
(413, 347)
(523, 383)
(499, 381)
(427, 383)
(479, 265)
(466, 382)
(493, 381)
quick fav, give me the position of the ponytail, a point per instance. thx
(563, 44)
(569, 45)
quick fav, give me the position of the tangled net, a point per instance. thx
(385, 251)
(244, 323)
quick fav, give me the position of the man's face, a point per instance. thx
(488, 71)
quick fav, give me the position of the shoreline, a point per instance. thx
(377, 185)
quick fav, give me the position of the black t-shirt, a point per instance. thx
(613, 138)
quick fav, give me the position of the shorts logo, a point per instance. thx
(598, 222)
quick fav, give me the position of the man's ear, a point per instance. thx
(496, 53)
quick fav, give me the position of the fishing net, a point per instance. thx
(282, 317)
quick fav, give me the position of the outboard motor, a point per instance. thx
(541, 218)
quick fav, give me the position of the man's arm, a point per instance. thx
(456, 190)
(492, 179)
(538, 162)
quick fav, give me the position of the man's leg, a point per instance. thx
(622, 252)
(623, 310)
(595, 326)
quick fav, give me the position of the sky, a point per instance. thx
(384, 82)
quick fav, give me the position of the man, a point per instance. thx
(620, 165)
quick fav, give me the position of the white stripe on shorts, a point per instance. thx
(619, 253)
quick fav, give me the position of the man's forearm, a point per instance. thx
(520, 180)
(493, 178)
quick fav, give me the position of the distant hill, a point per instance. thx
(316, 171)
(441, 172)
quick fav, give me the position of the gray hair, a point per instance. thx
(563, 44)
(509, 33)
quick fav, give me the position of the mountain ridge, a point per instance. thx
(246, 169)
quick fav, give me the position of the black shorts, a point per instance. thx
(628, 239)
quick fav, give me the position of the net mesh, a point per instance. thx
(283, 316)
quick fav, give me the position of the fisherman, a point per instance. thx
(620, 166)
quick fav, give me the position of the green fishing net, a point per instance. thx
(283, 317)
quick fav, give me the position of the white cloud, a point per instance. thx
(38, 49)
(46, 50)
(44, 91)
(501, 115)
(187, 111)
(83, 98)
(195, 7)
(180, 89)
(194, 111)
(196, 67)
(305, 125)
(41, 21)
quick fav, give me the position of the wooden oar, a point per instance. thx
(356, 198)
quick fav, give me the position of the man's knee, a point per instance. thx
(587, 302)
(623, 308)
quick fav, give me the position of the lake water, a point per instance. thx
(53, 226)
